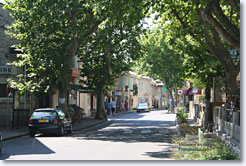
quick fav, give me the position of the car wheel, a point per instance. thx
(32, 134)
(61, 131)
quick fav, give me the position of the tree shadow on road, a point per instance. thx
(133, 131)
(13, 148)
(130, 132)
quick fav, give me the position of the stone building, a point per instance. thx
(8, 99)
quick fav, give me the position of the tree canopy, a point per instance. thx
(49, 32)
(113, 48)
(213, 24)
(195, 40)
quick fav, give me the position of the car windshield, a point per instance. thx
(142, 105)
(44, 115)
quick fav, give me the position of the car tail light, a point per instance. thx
(31, 121)
(55, 121)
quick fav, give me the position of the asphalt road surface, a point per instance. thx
(131, 136)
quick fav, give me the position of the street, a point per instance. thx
(130, 136)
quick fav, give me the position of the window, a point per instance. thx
(61, 114)
(44, 115)
(3, 90)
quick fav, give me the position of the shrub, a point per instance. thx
(182, 115)
(167, 106)
(222, 152)
(219, 151)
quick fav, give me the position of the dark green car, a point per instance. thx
(49, 121)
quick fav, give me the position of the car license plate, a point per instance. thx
(43, 120)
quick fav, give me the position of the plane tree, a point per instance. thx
(49, 32)
(214, 24)
(160, 61)
(110, 51)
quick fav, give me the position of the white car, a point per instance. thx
(142, 107)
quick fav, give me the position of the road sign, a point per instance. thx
(164, 88)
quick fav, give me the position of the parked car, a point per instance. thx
(1, 140)
(49, 120)
(77, 113)
(142, 107)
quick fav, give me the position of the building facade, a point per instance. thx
(137, 89)
(9, 100)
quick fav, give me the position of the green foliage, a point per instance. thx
(114, 47)
(219, 151)
(167, 106)
(192, 26)
(159, 59)
(181, 114)
(50, 32)
(46, 30)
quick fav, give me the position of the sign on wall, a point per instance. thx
(4, 69)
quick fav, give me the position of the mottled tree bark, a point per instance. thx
(101, 112)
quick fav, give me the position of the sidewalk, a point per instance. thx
(85, 124)
(24, 131)
(231, 142)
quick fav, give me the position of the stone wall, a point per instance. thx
(5, 40)
(224, 127)
(6, 56)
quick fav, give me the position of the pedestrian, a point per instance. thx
(105, 104)
(113, 106)
(108, 107)
(122, 106)
(126, 106)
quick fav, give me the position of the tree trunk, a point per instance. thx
(208, 88)
(223, 55)
(233, 90)
(172, 102)
(70, 53)
(223, 26)
(101, 112)
(63, 94)
(176, 95)
(207, 98)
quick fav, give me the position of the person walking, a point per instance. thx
(122, 106)
(126, 106)
(108, 107)
(113, 106)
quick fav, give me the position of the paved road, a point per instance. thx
(132, 136)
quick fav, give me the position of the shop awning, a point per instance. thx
(80, 88)
(191, 91)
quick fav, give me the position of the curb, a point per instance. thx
(14, 137)
(80, 129)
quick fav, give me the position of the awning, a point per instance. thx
(80, 88)
(191, 91)
(187, 91)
